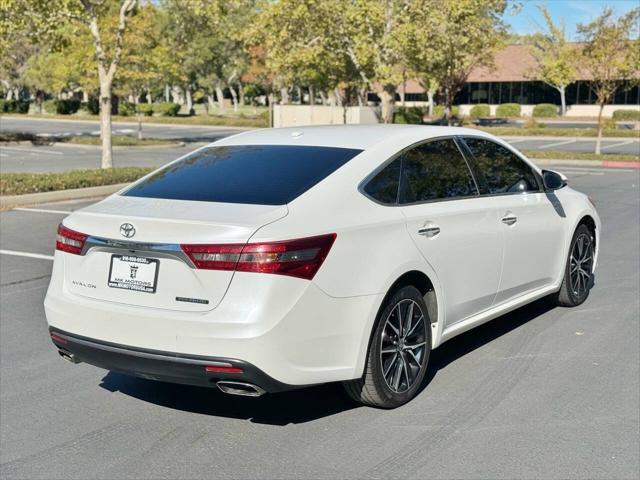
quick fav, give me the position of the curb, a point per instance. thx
(59, 195)
(82, 145)
(585, 163)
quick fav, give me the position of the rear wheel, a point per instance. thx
(398, 352)
(578, 275)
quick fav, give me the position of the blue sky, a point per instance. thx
(528, 19)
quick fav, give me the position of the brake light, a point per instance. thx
(296, 258)
(69, 240)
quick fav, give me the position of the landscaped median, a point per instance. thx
(116, 140)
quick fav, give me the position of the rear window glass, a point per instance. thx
(257, 174)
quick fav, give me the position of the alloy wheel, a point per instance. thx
(403, 345)
(581, 265)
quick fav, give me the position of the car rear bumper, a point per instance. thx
(162, 366)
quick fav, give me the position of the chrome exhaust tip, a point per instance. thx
(69, 357)
(240, 388)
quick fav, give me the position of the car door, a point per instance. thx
(531, 221)
(452, 226)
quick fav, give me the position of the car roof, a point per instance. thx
(361, 137)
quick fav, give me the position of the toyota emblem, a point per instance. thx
(127, 230)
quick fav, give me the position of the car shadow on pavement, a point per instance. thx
(307, 404)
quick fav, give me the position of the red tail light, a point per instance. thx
(69, 240)
(297, 258)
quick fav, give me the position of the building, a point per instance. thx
(511, 80)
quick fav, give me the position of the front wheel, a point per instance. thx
(578, 275)
(398, 352)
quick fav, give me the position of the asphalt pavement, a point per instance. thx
(539, 393)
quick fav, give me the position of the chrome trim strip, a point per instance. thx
(161, 250)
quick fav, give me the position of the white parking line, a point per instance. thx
(26, 254)
(42, 210)
(32, 150)
(618, 144)
(555, 144)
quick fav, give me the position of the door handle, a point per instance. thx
(509, 219)
(429, 231)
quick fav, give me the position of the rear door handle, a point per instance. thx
(429, 230)
(509, 219)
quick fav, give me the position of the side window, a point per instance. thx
(384, 186)
(435, 170)
(502, 170)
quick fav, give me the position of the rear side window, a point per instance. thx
(502, 170)
(435, 170)
(384, 186)
(256, 174)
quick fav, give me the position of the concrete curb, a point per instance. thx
(585, 163)
(81, 145)
(59, 195)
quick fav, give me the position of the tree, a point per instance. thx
(44, 18)
(445, 41)
(555, 57)
(611, 56)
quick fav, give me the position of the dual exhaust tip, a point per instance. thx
(240, 388)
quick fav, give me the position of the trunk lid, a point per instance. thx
(149, 269)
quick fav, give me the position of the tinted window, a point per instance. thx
(384, 186)
(502, 170)
(259, 174)
(435, 170)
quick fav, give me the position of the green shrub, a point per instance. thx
(438, 111)
(92, 106)
(545, 110)
(508, 110)
(62, 107)
(480, 110)
(627, 115)
(146, 109)
(126, 109)
(532, 123)
(14, 106)
(412, 115)
(167, 109)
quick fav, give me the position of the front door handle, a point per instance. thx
(429, 230)
(509, 219)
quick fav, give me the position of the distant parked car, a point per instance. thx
(276, 259)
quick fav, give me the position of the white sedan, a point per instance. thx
(276, 259)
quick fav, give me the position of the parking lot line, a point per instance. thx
(32, 150)
(26, 254)
(555, 144)
(618, 144)
(42, 210)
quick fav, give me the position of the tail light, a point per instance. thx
(69, 240)
(296, 258)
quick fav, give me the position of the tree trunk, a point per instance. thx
(270, 99)
(241, 93)
(430, 104)
(189, 99)
(219, 96)
(563, 102)
(149, 97)
(167, 96)
(338, 96)
(234, 97)
(599, 140)
(312, 95)
(105, 124)
(284, 96)
(139, 117)
(85, 96)
(211, 102)
(448, 107)
(387, 102)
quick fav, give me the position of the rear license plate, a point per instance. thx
(134, 273)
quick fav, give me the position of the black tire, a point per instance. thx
(578, 272)
(396, 363)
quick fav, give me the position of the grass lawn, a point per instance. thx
(557, 132)
(560, 155)
(22, 183)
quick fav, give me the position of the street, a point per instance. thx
(539, 393)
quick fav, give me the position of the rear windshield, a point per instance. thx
(258, 174)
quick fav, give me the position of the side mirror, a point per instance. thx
(553, 180)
